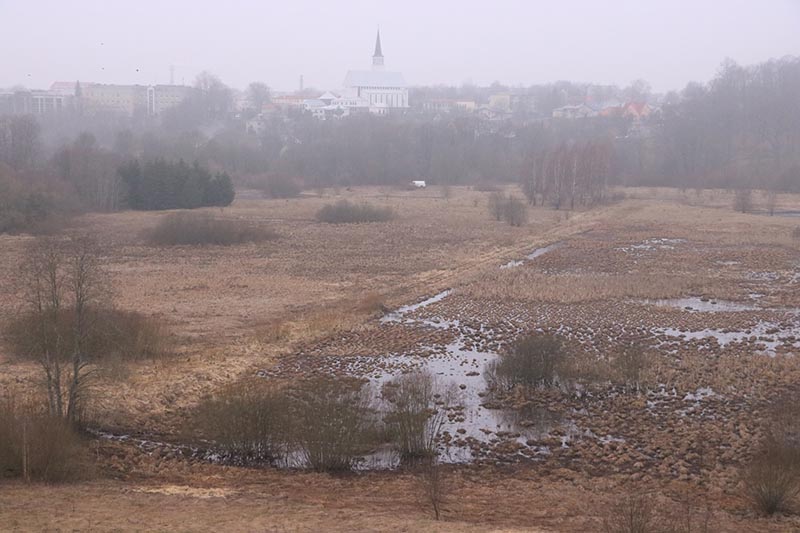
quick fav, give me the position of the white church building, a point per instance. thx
(382, 89)
(376, 90)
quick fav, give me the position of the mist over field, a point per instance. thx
(368, 266)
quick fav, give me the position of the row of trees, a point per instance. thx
(742, 130)
(568, 174)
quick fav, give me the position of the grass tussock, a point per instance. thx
(771, 480)
(38, 447)
(194, 229)
(346, 212)
(112, 335)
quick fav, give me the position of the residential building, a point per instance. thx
(163, 97)
(574, 111)
(96, 98)
(38, 102)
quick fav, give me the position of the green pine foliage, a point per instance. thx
(160, 184)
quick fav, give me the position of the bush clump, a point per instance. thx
(323, 423)
(632, 513)
(630, 366)
(533, 361)
(201, 229)
(249, 423)
(508, 208)
(39, 447)
(413, 418)
(346, 212)
(333, 423)
(112, 334)
(280, 187)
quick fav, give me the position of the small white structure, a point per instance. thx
(418, 184)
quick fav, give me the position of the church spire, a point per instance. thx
(377, 57)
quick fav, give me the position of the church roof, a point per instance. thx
(374, 78)
(378, 51)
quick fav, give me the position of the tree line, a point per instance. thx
(740, 130)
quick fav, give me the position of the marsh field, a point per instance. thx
(681, 318)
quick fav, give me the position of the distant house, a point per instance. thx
(500, 101)
(574, 111)
(636, 110)
(438, 104)
(286, 101)
(466, 105)
(608, 108)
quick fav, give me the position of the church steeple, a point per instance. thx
(377, 57)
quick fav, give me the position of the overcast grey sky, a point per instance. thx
(667, 42)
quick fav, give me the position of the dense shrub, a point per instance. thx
(30, 205)
(496, 205)
(413, 419)
(112, 334)
(743, 200)
(632, 513)
(280, 187)
(630, 365)
(39, 447)
(333, 424)
(509, 208)
(248, 422)
(160, 184)
(323, 423)
(531, 362)
(345, 212)
(515, 212)
(202, 228)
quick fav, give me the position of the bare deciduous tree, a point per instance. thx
(414, 419)
(434, 485)
(62, 281)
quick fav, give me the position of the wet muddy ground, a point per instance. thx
(720, 351)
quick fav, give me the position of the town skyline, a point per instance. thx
(103, 47)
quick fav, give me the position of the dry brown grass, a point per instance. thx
(38, 447)
(189, 228)
(525, 284)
